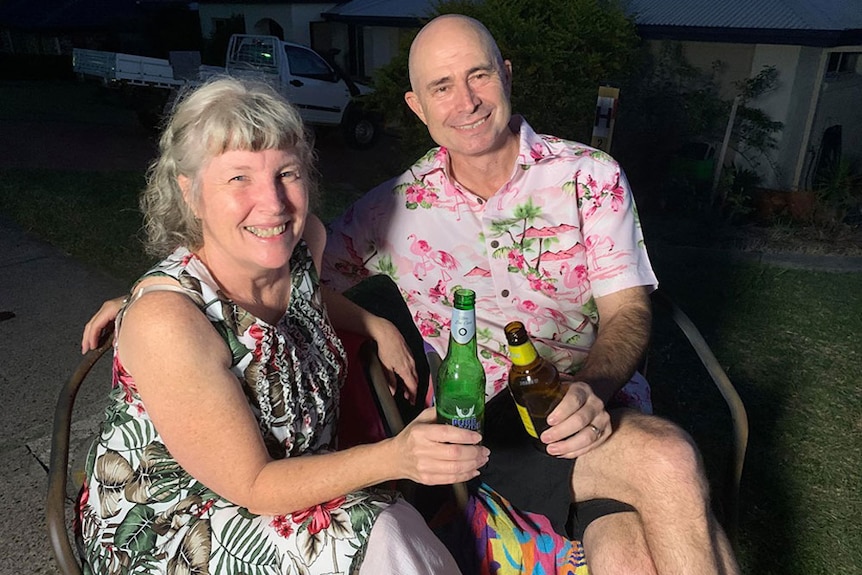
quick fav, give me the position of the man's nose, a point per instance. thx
(467, 97)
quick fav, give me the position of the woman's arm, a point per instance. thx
(393, 351)
(182, 371)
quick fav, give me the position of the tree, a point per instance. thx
(561, 52)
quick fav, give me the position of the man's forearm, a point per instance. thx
(619, 348)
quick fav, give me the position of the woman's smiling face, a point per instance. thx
(253, 208)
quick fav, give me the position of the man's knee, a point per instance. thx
(616, 544)
(665, 454)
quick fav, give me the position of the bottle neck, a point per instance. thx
(523, 354)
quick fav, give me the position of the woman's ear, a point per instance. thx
(185, 184)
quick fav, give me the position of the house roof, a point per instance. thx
(73, 14)
(806, 22)
(381, 12)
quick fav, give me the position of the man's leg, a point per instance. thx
(654, 466)
(615, 545)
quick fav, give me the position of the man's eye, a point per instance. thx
(238, 179)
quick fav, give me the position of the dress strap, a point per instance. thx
(145, 290)
(159, 287)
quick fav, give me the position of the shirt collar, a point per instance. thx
(532, 149)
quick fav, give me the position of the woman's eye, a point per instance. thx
(289, 175)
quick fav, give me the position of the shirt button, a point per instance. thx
(480, 200)
(504, 293)
(495, 244)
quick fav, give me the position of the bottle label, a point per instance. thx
(526, 420)
(463, 325)
(523, 354)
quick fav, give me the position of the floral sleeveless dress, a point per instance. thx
(140, 512)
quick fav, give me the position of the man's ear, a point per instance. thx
(413, 101)
(507, 69)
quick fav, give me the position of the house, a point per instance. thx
(815, 46)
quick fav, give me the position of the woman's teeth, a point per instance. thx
(267, 232)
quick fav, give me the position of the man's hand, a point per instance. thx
(579, 423)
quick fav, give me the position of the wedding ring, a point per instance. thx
(596, 430)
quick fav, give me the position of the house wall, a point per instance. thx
(293, 18)
(735, 59)
(840, 102)
(789, 103)
(381, 45)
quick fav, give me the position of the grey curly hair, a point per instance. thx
(223, 114)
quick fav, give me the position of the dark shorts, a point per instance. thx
(531, 479)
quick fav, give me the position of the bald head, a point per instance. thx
(440, 32)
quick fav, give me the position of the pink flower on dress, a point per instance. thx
(321, 515)
(282, 526)
(256, 332)
(125, 381)
(207, 505)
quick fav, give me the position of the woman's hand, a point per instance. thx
(438, 454)
(96, 326)
(396, 357)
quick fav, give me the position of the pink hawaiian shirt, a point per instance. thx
(563, 230)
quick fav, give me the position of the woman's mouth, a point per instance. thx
(267, 232)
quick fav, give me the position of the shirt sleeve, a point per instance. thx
(616, 254)
(353, 243)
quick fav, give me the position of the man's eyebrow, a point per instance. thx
(448, 79)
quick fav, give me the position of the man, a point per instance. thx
(544, 231)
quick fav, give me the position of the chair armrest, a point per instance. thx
(55, 507)
(731, 397)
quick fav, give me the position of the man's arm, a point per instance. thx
(625, 320)
(581, 421)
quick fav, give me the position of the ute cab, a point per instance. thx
(322, 95)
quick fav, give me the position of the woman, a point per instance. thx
(215, 453)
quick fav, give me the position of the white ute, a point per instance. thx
(322, 95)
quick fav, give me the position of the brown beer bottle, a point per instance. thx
(533, 381)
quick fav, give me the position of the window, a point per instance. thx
(841, 63)
(308, 64)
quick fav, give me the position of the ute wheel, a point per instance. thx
(361, 130)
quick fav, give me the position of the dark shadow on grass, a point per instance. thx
(682, 391)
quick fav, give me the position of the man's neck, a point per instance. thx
(484, 175)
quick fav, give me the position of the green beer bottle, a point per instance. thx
(461, 378)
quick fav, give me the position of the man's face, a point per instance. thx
(461, 91)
